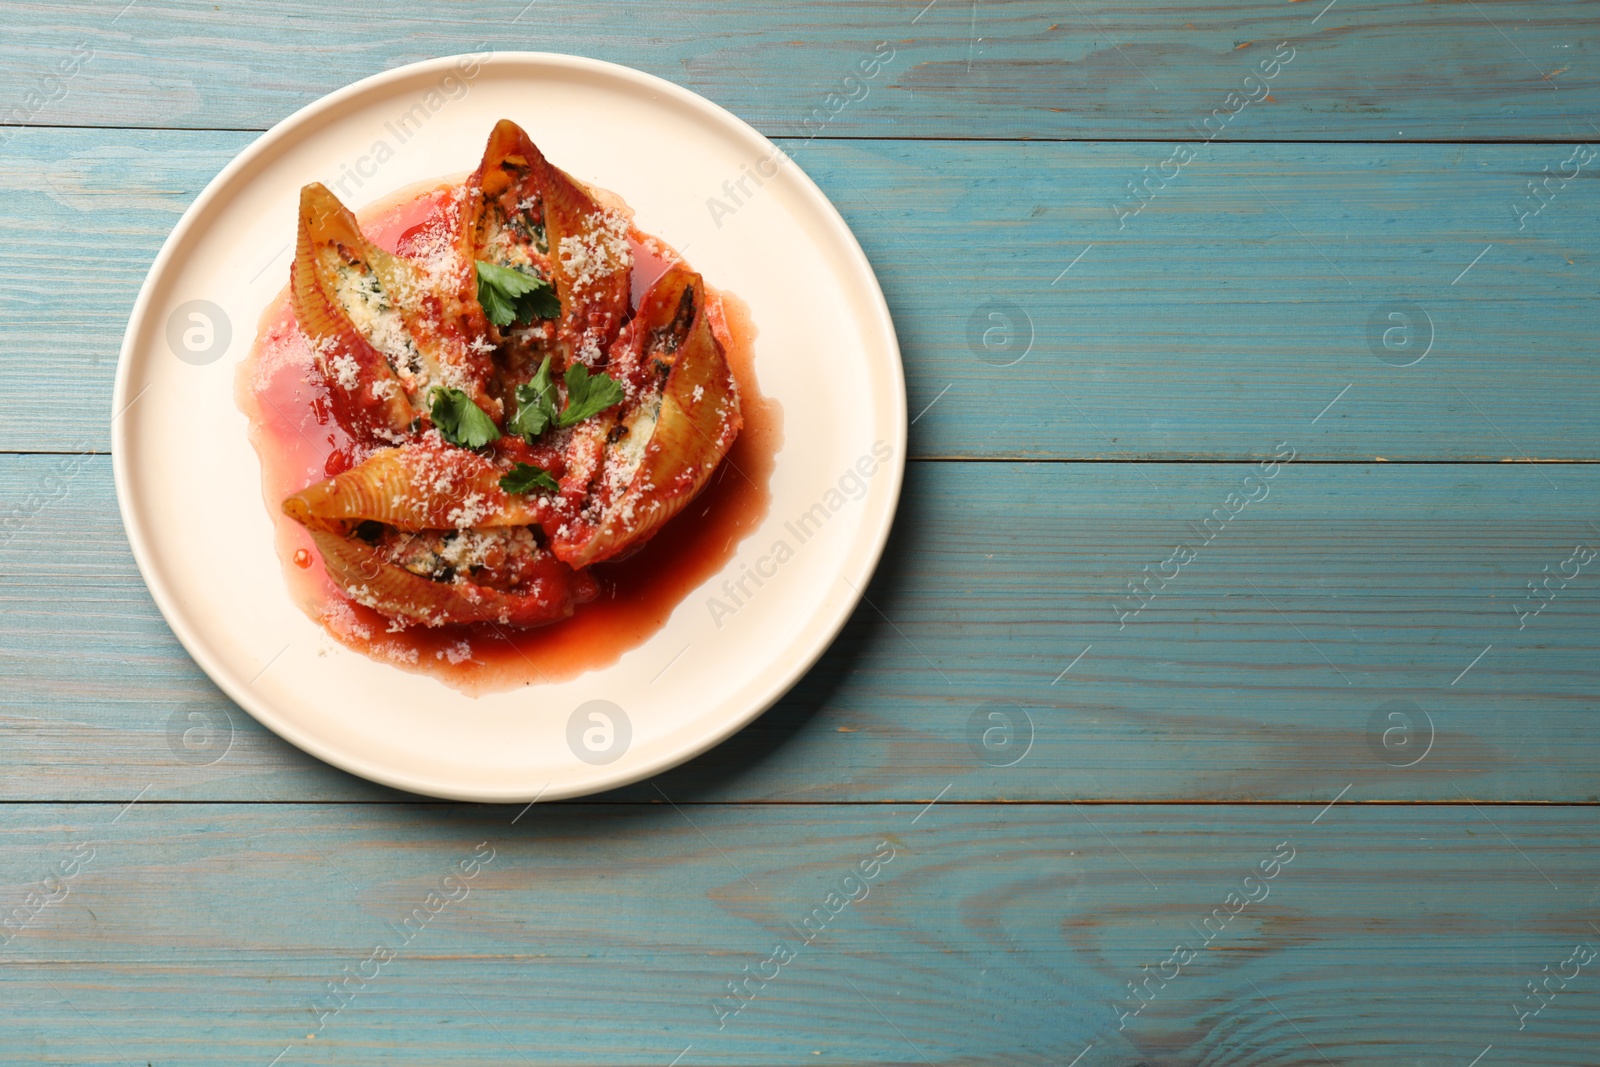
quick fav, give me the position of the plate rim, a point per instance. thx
(352, 762)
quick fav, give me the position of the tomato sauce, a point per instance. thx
(299, 443)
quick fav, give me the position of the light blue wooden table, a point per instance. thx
(1320, 790)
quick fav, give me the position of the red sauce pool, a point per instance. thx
(294, 435)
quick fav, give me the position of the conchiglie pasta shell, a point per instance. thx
(376, 402)
(442, 329)
(417, 487)
(397, 593)
(690, 438)
(593, 311)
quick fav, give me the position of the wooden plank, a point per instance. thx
(1509, 69)
(1265, 670)
(1229, 312)
(1233, 308)
(607, 934)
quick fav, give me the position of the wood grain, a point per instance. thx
(602, 934)
(1260, 672)
(1359, 632)
(1501, 69)
(1229, 312)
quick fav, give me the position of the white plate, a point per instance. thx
(188, 481)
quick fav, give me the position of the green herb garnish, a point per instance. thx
(525, 478)
(459, 420)
(588, 394)
(536, 405)
(509, 295)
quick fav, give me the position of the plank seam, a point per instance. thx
(1199, 461)
(937, 138)
(910, 803)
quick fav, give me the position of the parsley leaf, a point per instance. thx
(525, 478)
(588, 394)
(536, 405)
(510, 295)
(459, 420)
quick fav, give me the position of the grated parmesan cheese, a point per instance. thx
(361, 295)
(599, 251)
(435, 250)
(473, 510)
(347, 372)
